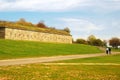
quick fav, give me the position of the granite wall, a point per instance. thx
(17, 34)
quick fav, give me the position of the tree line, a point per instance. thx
(92, 40)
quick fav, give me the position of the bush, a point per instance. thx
(81, 41)
(66, 29)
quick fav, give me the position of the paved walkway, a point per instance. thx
(48, 59)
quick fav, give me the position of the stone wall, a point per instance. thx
(2, 32)
(16, 34)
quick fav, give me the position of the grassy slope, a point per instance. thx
(103, 59)
(20, 49)
(52, 72)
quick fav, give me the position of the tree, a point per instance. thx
(91, 39)
(81, 41)
(114, 42)
(98, 42)
(41, 25)
(23, 22)
(67, 29)
(105, 43)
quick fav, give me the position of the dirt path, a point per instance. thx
(48, 59)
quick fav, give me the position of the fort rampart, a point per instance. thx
(19, 34)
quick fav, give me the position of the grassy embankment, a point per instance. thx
(23, 49)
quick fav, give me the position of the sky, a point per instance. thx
(100, 18)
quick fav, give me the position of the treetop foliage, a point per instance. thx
(114, 42)
(92, 40)
(67, 29)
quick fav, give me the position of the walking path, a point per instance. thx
(48, 59)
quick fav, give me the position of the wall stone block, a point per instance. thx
(17, 34)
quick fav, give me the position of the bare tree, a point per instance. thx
(114, 42)
(41, 25)
(67, 29)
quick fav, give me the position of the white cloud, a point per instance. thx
(59, 5)
(41, 5)
(80, 25)
(106, 5)
(115, 24)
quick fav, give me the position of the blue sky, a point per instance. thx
(84, 17)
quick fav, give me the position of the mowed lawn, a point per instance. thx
(23, 49)
(101, 59)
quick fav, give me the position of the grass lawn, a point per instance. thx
(117, 50)
(72, 72)
(22, 49)
(103, 59)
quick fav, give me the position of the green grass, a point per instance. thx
(117, 50)
(22, 49)
(103, 59)
(72, 72)
(19, 49)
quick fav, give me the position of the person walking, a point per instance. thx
(107, 50)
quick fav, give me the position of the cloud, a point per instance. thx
(40, 5)
(80, 25)
(59, 5)
(106, 5)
